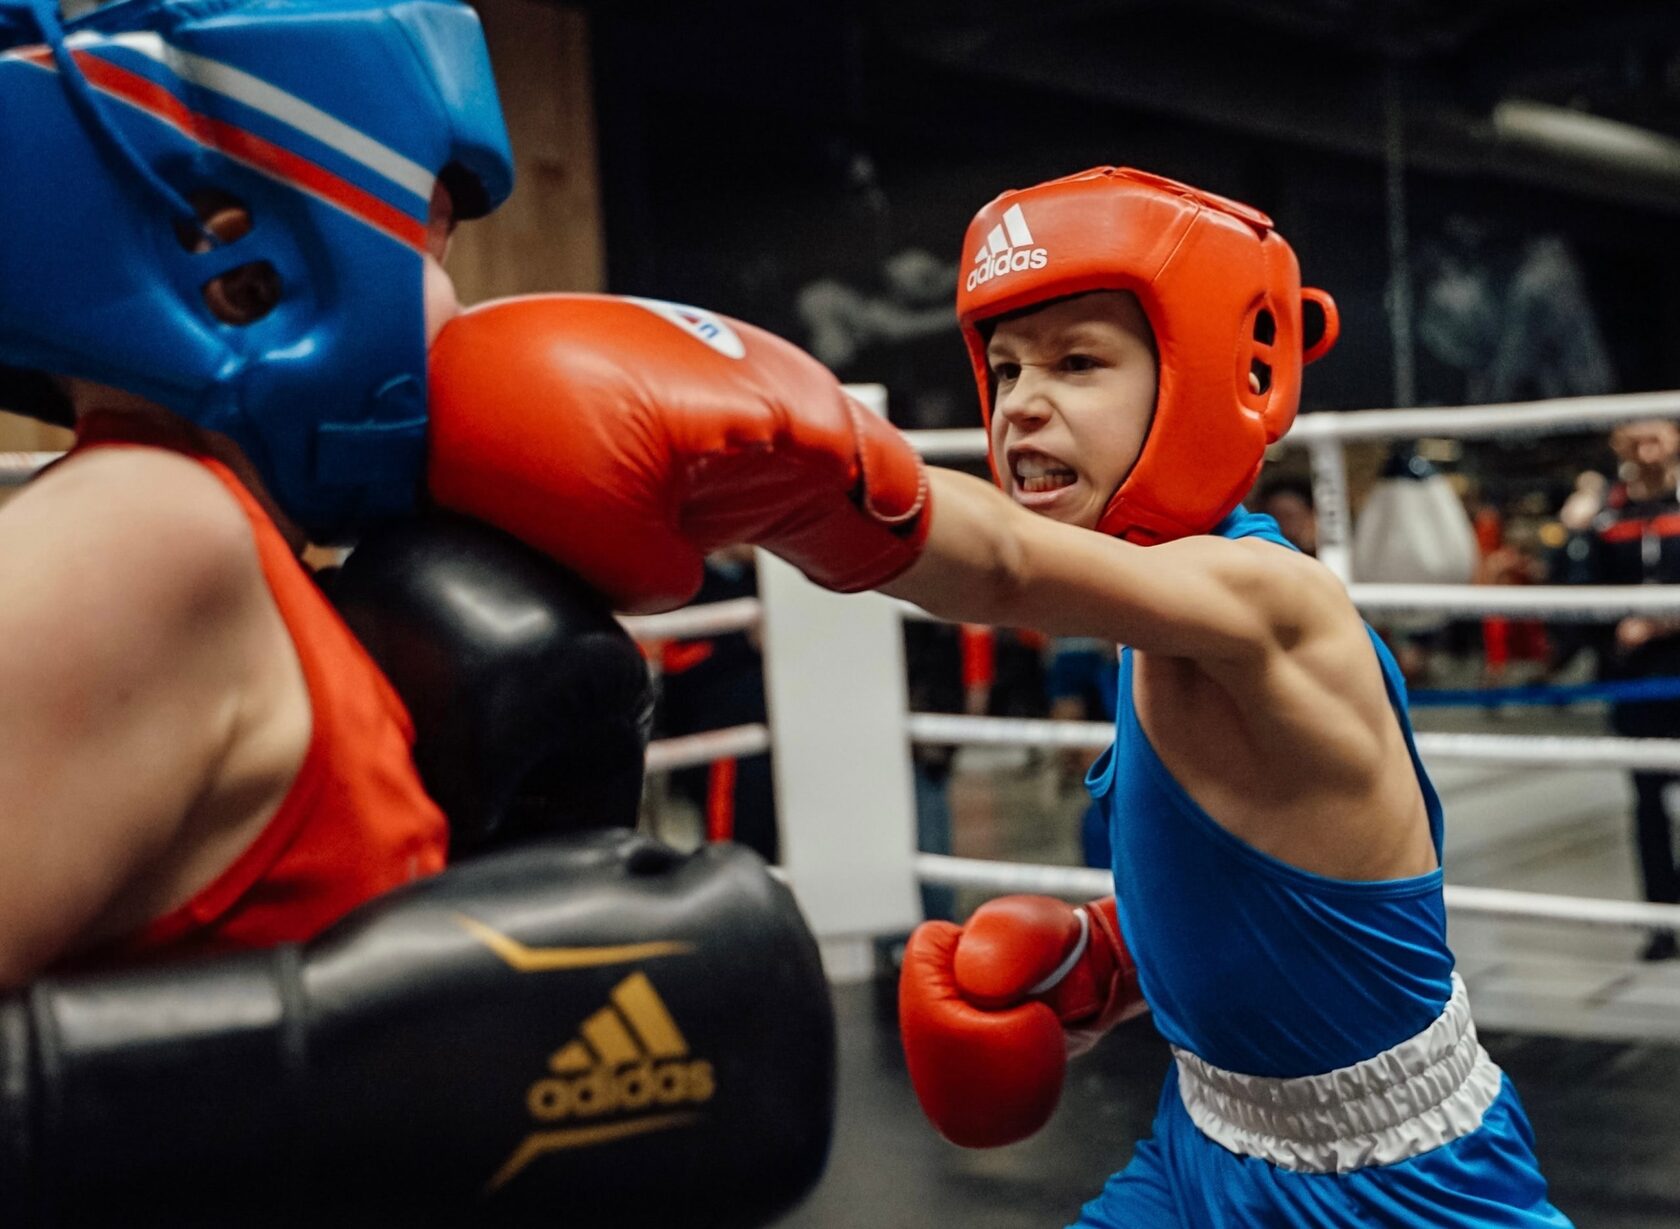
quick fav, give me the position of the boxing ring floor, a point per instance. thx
(1597, 1060)
(1604, 1113)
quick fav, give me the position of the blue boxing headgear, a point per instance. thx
(331, 121)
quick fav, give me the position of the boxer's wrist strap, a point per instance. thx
(1070, 961)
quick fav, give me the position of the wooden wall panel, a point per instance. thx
(19, 434)
(548, 235)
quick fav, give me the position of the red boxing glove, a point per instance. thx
(989, 1013)
(626, 438)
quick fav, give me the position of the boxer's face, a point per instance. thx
(437, 286)
(1074, 388)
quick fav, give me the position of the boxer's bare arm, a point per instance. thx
(129, 580)
(1215, 602)
(1271, 633)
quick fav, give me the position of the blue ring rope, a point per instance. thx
(1616, 692)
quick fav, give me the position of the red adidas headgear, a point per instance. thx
(1223, 294)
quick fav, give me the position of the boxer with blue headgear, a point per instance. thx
(329, 125)
(221, 239)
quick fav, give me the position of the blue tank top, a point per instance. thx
(1253, 964)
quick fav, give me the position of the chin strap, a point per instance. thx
(85, 102)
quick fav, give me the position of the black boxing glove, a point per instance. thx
(590, 1030)
(531, 704)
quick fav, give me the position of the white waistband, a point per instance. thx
(1427, 1091)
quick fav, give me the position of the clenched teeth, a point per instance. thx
(1036, 474)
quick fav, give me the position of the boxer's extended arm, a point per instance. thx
(989, 560)
(593, 1030)
(125, 602)
(625, 442)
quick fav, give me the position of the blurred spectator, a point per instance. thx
(1634, 540)
(1571, 559)
(1413, 530)
(1018, 686)
(1289, 502)
(1081, 681)
(712, 684)
(1508, 557)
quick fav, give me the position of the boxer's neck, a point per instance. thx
(88, 398)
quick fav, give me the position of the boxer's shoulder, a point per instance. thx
(132, 632)
(1290, 599)
(156, 521)
(119, 556)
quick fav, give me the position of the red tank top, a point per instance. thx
(356, 821)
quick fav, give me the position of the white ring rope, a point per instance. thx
(945, 729)
(961, 444)
(17, 468)
(687, 750)
(1324, 430)
(738, 614)
(1558, 603)
(1556, 416)
(1559, 414)
(1087, 883)
(1540, 751)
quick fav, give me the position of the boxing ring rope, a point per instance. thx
(1531, 750)
(690, 750)
(1488, 903)
(17, 468)
(1496, 904)
(1559, 603)
(738, 614)
(1324, 434)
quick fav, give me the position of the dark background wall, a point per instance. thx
(811, 168)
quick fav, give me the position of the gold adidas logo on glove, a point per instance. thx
(629, 1058)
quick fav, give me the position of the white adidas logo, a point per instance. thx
(1008, 249)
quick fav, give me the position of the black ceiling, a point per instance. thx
(1315, 72)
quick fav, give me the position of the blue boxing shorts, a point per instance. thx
(1427, 1135)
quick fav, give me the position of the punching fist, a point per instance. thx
(626, 438)
(990, 1012)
